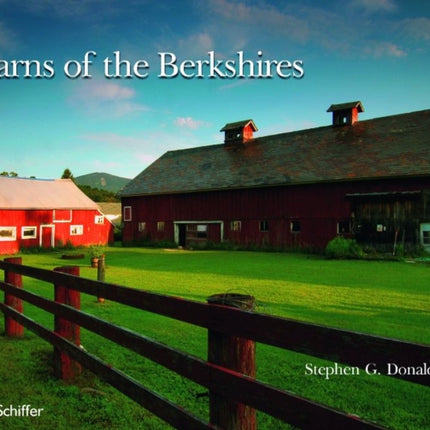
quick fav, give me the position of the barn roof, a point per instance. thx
(22, 193)
(239, 124)
(345, 106)
(392, 146)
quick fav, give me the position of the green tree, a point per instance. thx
(67, 174)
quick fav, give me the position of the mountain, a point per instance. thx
(102, 181)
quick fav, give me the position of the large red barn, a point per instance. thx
(364, 179)
(48, 213)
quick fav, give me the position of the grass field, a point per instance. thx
(384, 298)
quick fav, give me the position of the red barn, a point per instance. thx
(48, 213)
(364, 179)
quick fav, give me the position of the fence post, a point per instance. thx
(64, 367)
(101, 274)
(13, 328)
(233, 353)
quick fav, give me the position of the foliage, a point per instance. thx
(10, 174)
(96, 251)
(67, 174)
(98, 195)
(341, 247)
(103, 181)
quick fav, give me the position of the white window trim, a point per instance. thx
(79, 230)
(10, 238)
(33, 236)
(99, 219)
(125, 210)
(47, 226)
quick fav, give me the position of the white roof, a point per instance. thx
(22, 193)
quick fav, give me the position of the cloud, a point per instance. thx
(64, 9)
(384, 49)
(188, 122)
(196, 44)
(351, 31)
(7, 38)
(107, 91)
(417, 28)
(107, 98)
(373, 6)
(243, 22)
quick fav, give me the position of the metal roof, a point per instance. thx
(22, 193)
(387, 147)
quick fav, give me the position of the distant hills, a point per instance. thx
(102, 181)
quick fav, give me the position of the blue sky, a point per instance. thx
(376, 51)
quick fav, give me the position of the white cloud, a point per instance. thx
(108, 98)
(372, 6)
(418, 28)
(384, 49)
(191, 123)
(108, 91)
(254, 19)
(196, 44)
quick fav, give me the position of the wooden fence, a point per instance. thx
(234, 396)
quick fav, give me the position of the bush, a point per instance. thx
(340, 247)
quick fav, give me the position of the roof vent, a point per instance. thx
(239, 132)
(346, 113)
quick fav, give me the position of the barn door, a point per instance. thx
(46, 236)
(182, 234)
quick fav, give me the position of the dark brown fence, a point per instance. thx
(234, 396)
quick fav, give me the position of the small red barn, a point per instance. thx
(48, 213)
(364, 179)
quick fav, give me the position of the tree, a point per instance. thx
(67, 174)
(10, 174)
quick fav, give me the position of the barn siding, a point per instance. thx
(317, 208)
(92, 233)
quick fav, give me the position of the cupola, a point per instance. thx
(239, 132)
(346, 113)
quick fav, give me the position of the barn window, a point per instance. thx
(7, 233)
(99, 219)
(264, 225)
(76, 230)
(236, 226)
(127, 213)
(160, 226)
(295, 227)
(29, 232)
(343, 227)
(141, 226)
(425, 234)
(202, 231)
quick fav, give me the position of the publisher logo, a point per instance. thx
(19, 411)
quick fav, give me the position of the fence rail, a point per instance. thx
(346, 347)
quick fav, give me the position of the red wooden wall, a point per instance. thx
(55, 225)
(317, 208)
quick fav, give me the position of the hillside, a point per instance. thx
(102, 181)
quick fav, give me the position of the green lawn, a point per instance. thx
(384, 298)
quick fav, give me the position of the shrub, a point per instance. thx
(340, 247)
